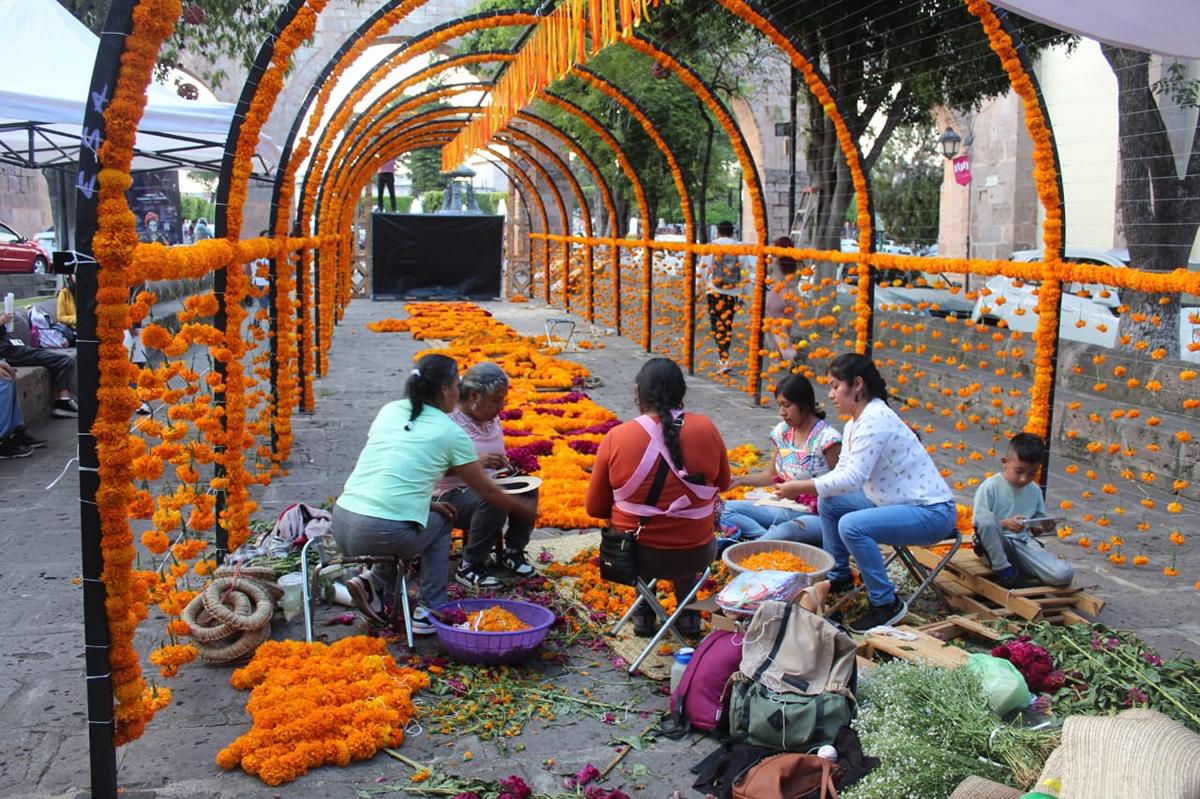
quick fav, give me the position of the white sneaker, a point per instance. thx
(723, 367)
(421, 623)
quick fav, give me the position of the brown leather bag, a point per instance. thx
(788, 776)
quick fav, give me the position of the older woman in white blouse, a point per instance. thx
(885, 489)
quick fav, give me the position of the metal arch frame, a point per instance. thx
(360, 176)
(361, 140)
(612, 91)
(391, 93)
(510, 132)
(750, 175)
(602, 188)
(418, 45)
(262, 63)
(593, 124)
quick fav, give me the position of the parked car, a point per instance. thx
(47, 239)
(1091, 319)
(19, 254)
(919, 293)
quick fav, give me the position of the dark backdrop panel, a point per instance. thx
(436, 254)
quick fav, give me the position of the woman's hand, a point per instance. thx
(789, 490)
(445, 509)
(494, 460)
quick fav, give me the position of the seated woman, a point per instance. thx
(685, 454)
(484, 389)
(885, 489)
(386, 508)
(65, 303)
(805, 445)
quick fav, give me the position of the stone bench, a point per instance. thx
(35, 392)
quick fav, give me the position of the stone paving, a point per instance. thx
(41, 681)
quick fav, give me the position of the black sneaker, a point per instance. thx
(515, 562)
(19, 436)
(10, 450)
(840, 585)
(474, 577)
(366, 599)
(64, 408)
(879, 616)
(145, 410)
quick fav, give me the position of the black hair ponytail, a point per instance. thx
(431, 375)
(661, 388)
(850, 365)
(797, 390)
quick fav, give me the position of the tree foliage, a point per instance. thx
(221, 29)
(906, 185)
(1160, 200)
(889, 65)
(424, 170)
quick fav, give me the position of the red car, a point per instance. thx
(19, 254)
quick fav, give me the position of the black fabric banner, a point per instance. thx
(436, 255)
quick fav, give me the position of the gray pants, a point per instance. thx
(366, 535)
(989, 540)
(484, 524)
(1020, 550)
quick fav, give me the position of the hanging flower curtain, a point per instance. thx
(573, 33)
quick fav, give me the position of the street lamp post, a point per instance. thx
(949, 142)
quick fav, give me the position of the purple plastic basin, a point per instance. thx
(473, 646)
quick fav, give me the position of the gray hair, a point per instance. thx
(484, 378)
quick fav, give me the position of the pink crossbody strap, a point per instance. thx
(682, 507)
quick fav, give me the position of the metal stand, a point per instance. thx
(646, 594)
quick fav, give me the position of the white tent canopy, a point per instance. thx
(1168, 27)
(45, 75)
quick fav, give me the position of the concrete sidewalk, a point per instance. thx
(41, 685)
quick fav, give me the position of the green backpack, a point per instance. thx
(794, 689)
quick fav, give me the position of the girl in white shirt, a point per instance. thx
(885, 489)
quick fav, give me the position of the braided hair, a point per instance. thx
(850, 365)
(660, 388)
(432, 374)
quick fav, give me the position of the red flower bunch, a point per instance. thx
(514, 788)
(1034, 663)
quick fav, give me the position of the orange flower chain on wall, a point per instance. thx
(571, 34)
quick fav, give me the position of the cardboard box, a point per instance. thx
(720, 620)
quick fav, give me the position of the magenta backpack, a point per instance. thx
(700, 697)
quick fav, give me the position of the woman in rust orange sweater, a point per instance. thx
(687, 454)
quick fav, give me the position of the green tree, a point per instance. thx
(889, 67)
(906, 185)
(424, 169)
(219, 28)
(1160, 194)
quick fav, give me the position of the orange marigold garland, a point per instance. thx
(317, 704)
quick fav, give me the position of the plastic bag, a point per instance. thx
(1003, 685)
(749, 589)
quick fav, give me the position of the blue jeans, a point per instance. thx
(10, 407)
(852, 525)
(771, 524)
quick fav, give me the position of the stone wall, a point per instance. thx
(24, 200)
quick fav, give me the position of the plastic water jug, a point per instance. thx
(292, 603)
(682, 658)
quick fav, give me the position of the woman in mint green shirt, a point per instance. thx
(385, 507)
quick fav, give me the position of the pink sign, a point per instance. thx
(962, 170)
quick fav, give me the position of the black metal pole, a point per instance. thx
(791, 215)
(97, 640)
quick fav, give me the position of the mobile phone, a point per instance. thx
(1037, 521)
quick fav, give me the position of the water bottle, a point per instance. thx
(683, 657)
